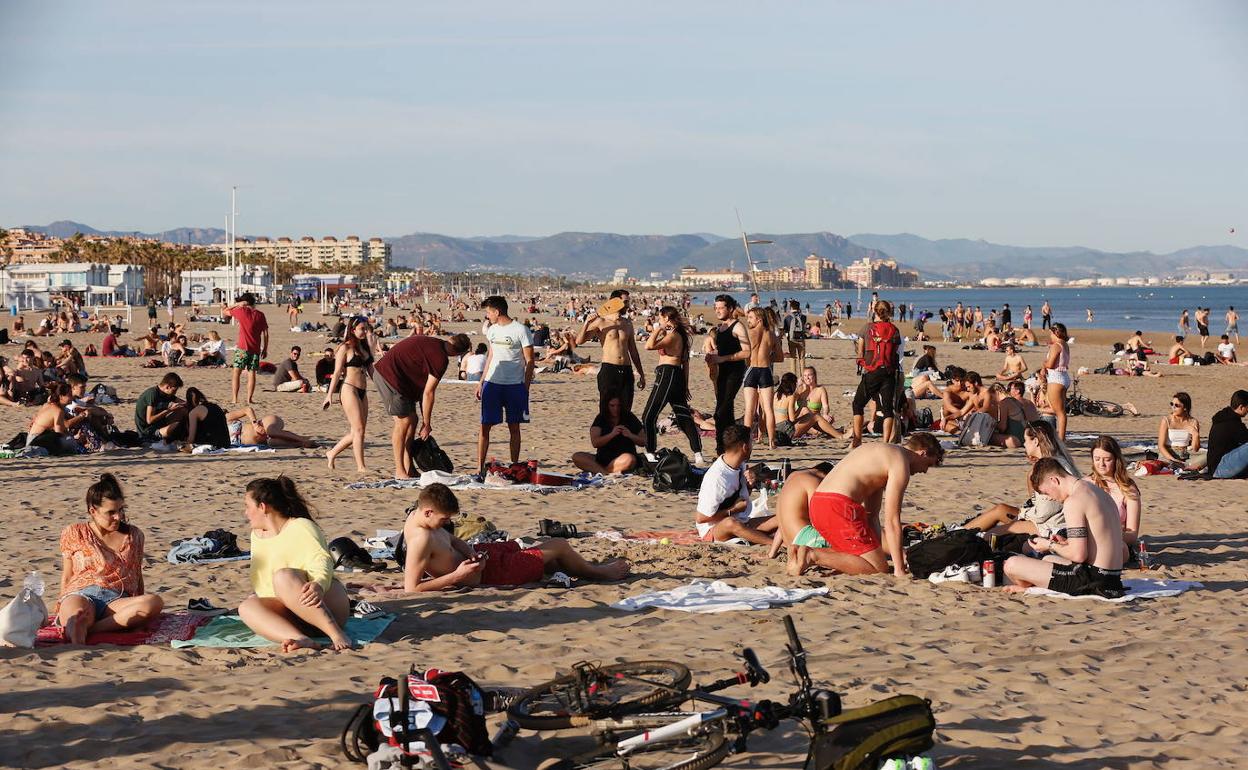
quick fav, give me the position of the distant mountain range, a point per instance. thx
(599, 254)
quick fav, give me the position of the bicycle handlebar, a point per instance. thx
(754, 670)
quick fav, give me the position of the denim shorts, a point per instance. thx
(99, 597)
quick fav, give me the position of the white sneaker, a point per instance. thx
(697, 459)
(650, 457)
(955, 574)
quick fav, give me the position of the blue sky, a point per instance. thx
(1118, 125)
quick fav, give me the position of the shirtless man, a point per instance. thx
(619, 354)
(1202, 325)
(1014, 367)
(437, 560)
(27, 375)
(1136, 342)
(845, 509)
(955, 402)
(1232, 323)
(1178, 351)
(51, 425)
(1084, 559)
(980, 397)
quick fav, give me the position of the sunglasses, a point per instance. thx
(1175, 404)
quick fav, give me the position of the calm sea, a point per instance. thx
(1151, 309)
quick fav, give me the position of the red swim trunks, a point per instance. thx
(845, 524)
(510, 566)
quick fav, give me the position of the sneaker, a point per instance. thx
(698, 459)
(651, 457)
(366, 610)
(955, 574)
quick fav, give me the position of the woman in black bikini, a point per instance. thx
(353, 364)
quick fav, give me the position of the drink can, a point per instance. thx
(1142, 555)
(990, 574)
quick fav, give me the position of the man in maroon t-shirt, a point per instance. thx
(406, 378)
(253, 342)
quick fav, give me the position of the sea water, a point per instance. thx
(1153, 309)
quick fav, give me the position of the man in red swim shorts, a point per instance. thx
(436, 560)
(840, 530)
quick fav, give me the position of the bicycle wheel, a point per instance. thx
(1104, 409)
(613, 691)
(694, 752)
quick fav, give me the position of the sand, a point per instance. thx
(1017, 682)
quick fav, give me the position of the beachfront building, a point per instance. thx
(211, 287)
(868, 272)
(691, 276)
(821, 273)
(316, 286)
(38, 285)
(310, 253)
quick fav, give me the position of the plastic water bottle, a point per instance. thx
(33, 583)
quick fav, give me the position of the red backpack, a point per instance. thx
(881, 348)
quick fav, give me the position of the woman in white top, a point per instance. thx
(1057, 367)
(472, 366)
(1178, 433)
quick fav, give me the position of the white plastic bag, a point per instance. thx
(25, 615)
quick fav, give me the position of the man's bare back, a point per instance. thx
(1091, 507)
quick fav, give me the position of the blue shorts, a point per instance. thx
(496, 398)
(99, 597)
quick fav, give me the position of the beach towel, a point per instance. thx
(169, 627)
(1137, 588)
(673, 536)
(717, 596)
(463, 481)
(230, 631)
(209, 449)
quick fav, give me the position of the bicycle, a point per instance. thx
(1077, 404)
(612, 701)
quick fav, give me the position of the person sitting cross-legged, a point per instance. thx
(615, 435)
(724, 504)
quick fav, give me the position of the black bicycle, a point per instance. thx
(631, 711)
(1077, 403)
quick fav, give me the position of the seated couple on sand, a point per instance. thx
(830, 518)
(436, 560)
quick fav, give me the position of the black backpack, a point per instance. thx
(456, 701)
(428, 456)
(674, 473)
(960, 547)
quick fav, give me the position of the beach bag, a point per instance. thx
(128, 439)
(448, 704)
(959, 547)
(977, 430)
(881, 348)
(861, 738)
(17, 442)
(673, 472)
(25, 615)
(428, 456)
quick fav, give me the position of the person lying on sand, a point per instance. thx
(1085, 558)
(724, 504)
(844, 510)
(437, 560)
(292, 571)
(102, 569)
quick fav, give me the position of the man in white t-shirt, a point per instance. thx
(724, 505)
(1226, 351)
(508, 374)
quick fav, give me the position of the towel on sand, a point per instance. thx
(231, 631)
(169, 627)
(209, 449)
(673, 536)
(717, 596)
(464, 481)
(1137, 588)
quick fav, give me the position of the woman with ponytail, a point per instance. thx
(292, 572)
(102, 569)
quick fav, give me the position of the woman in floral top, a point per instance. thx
(102, 569)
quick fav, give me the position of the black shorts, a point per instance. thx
(759, 377)
(880, 385)
(1086, 580)
(1203, 329)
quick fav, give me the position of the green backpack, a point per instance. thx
(859, 739)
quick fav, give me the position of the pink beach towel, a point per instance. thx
(168, 627)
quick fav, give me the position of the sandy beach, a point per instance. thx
(1014, 682)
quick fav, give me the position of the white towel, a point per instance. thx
(717, 596)
(209, 449)
(1137, 588)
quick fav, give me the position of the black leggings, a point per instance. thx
(727, 386)
(669, 388)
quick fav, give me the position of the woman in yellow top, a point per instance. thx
(292, 572)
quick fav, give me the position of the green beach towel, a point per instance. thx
(231, 631)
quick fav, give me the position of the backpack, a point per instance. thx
(881, 348)
(795, 326)
(674, 473)
(977, 430)
(960, 547)
(428, 456)
(862, 738)
(448, 704)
